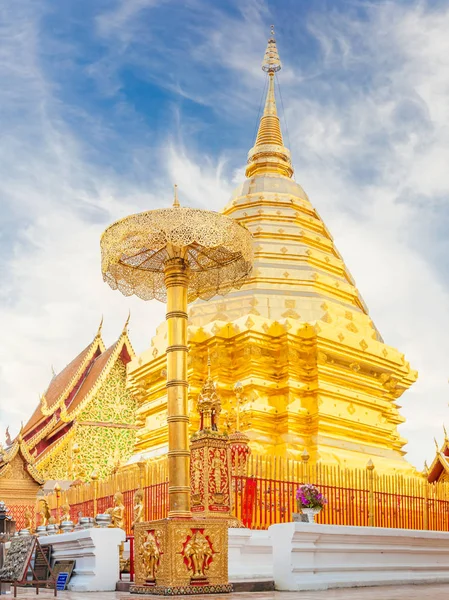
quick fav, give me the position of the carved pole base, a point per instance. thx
(181, 556)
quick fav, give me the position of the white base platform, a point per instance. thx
(97, 558)
(250, 555)
(319, 557)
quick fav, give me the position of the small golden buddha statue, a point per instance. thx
(117, 512)
(44, 513)
(29, 521)
(138, 511)
(65, 513)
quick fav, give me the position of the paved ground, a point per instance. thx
(406, 592)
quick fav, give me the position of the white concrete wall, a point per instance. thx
(317, 557)
(250, 555)
(96, 554)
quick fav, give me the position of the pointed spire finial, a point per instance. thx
(100, 327)
(436, 444)
(426, 468)
(269, 155)
(445, 433)
(175, 198)
(125, 327)
(271, 62)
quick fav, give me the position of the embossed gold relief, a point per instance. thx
(181, 554)
(151, 555)
(198, 554)
(107, 421)
(210, 457)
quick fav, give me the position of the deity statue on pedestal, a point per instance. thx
(138, 511)
(117, 512)
(29, 521)
(65, 513)
(44, 513)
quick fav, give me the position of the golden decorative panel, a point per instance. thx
(183, 554)
(104, 432)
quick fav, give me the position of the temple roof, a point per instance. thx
(440, 463)
(70, 392)
(64, 383)
(19, 447)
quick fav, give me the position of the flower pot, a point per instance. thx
(310, 513)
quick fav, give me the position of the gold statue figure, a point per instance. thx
(29, 520)
(117, 512)
(44, 513)
(197, 467)
(216, 469)
(65, 513)
(138, 511)
(198, 552)
(151, 555)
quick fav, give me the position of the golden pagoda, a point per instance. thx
(315, 371)
(85, 421)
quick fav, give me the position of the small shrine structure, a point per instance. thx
(20, 481)
(86, 420)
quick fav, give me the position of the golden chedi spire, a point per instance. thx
(297, 334)
(269, 155)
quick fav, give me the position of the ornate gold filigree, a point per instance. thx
(198, 553)
(49, 410)
(135, 249)
(151, 555)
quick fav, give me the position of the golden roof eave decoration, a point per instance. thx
(8, 456)
(40, 435)
(66, 415)
(96, 343)
(217, 249)
(54, 449)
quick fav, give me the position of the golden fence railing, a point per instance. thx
(265, 494)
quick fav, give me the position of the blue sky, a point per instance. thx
(104, 105)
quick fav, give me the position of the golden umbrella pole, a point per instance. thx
(176, 276)
(177, 255)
